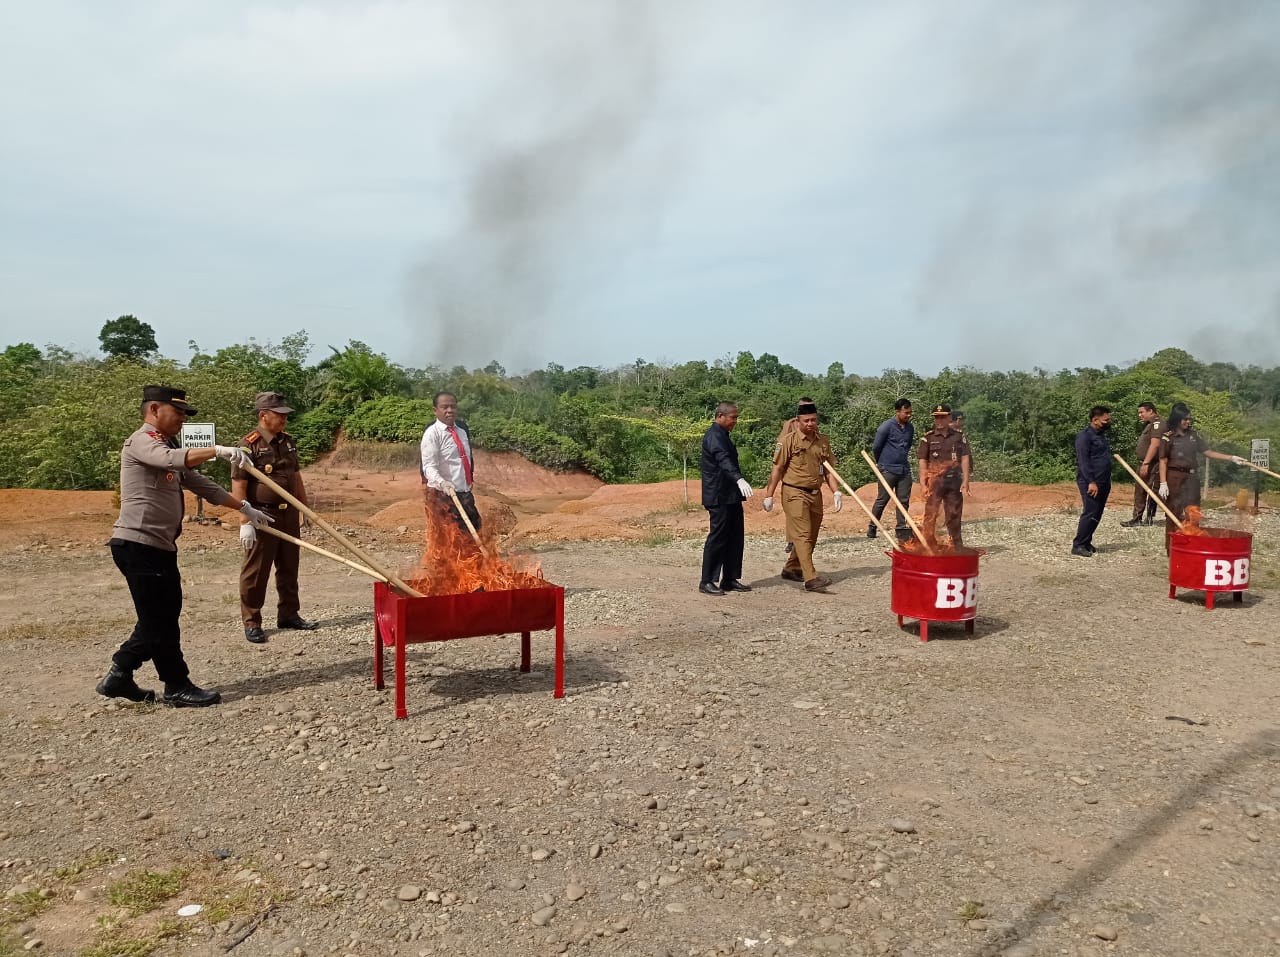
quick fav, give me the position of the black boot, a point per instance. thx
(190, 696)
(120, 684)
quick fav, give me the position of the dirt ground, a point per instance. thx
(1093, 771)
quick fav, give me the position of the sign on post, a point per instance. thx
(1260, 453)
(197, 435)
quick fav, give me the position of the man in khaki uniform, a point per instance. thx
(273, 452)
(797, 466)
(1144, 508)
(944, 472)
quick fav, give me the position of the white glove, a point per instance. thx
(257, 518)
(236, 458)
(768, 503)
(838, 499)
(248, 537)
(447, 488)
(1164, 490)
(744, 488)
(1238, 460)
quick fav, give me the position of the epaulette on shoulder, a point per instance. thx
(1165, 437)
(155, 435)
(252, 437)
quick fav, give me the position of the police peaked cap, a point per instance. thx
(163, 393)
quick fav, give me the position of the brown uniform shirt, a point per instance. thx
(278, 458)
(1148, 435)
(941, 452)
(153, 473)
(801, 459)
(1183, 451)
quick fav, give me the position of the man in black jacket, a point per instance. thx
(723, 490)
(1093, 476)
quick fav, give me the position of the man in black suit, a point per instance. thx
(723, 491)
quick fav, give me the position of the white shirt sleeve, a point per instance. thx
(430, 450)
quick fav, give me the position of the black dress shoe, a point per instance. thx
(1132, 523)
(300, 624)
(820, 583)
(120, 684)
(191, 697)
(871, 531)
(734, 585)
(255, 634)
(709, 588)
(793, 576)
(1082, 551)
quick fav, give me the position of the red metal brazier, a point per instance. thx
(1215, 561)
(936, 587)
(399, 621)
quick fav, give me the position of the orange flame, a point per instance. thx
(453, 564)
(1192, 525)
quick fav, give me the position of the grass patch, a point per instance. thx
(10, 946)
(23, 906)
(142, 891)
(113, 943)
(654, 539)
(74, 872)
(971, 910)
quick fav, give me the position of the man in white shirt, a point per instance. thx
(447, 465)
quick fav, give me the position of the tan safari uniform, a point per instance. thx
(278, 458)
(1182, 455)
(940, 454)
(153, 474)
(802, 482)
(1148, 435)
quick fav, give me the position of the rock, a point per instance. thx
(542, 916)
(1103, 932)
(902, 825)
(515, 884)
(409, 892)
(575, 892)
(838, 901)
(594, 851)
(541, 854)
(676, 908)
(35, 943)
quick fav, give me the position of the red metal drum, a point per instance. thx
(1216, 561)
(399, 621)
(936, 587)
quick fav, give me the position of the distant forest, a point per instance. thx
(63, 417)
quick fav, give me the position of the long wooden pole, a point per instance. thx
(893, 539)
(466, 519)
(325, 552)
(1259, 468)
(351, 546)
(924, 543)
(1147, 488)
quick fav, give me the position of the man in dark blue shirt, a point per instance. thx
(723, 489)
(1093, 475)
(891, 449)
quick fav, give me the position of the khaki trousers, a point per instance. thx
(803, 511)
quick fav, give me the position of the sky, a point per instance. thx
(587, 182)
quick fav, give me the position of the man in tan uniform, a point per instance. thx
(944, 472)
(1144, 508)
(273, 452)
(154, 471)
(797, 466)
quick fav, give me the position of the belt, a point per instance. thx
(802, 488)
(280, 505)
(1175, 468)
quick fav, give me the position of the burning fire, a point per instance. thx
(453, 564)
(1192, 525)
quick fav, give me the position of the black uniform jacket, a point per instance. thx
(720, 472)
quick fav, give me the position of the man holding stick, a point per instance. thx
(892, 450)
(723, 491)
(154, 472)
(1093, 476)
(1144, 508)
(447, 467)
(797, 466)
(944, 471)
(273, 452)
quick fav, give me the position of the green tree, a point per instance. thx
(679, 433)
(127, 337)
(357, 374)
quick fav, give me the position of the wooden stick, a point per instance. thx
(1259, 468)
(325, 552)
(924, 543)
(351, 546)
(466, 519)
(1147, 488)
(893, 539)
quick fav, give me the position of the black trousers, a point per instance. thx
(1092, 513)
(901, 485)
(722, 553)
(156, 589)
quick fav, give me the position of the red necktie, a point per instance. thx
(466, 462)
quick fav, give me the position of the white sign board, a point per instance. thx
(197, 435)
(1260, 453)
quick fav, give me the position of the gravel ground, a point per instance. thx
(1094, 771)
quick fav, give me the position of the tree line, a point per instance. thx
(63, 416)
